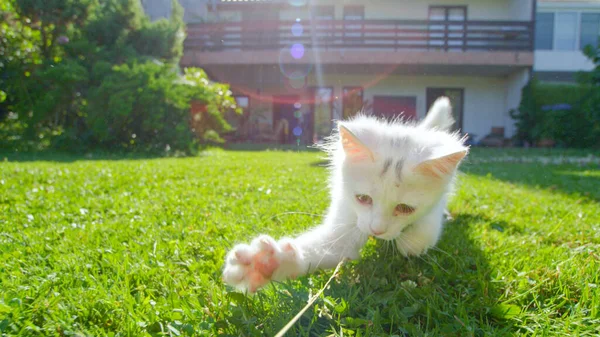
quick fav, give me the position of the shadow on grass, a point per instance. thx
(66, 157)
(447, 292)
(579, 181)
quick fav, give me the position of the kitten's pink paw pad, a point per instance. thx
(289, 249)
(265, 263)
(253, 266)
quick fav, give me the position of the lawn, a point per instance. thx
(134, 246)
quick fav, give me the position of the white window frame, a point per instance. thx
(577, 30)
(578, 13)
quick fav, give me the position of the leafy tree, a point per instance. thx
(592, 105)
(527, 115)
(19, 54)
(99, 73)
(575, 125)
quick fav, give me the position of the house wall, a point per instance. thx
(412, 9)
(262, 99)
(521, 10)
(486, 99)
(559, 60)
(476, 9)
(194, 10)
(514, 86)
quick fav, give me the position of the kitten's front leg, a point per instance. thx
(250, 267)
(421, 236)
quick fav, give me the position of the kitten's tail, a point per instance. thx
(439, 116)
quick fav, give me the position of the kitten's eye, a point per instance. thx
(364, 199)
(403, 209)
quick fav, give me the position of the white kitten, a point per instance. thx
(390, 180)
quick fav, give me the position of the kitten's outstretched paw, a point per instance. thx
(251, 267)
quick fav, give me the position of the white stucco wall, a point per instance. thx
(197, 10)
(413, 9)
(514, 85)
(520, 9)
(476, 9)
(560, 60)
(486, 99)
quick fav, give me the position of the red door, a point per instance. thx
(394, 106)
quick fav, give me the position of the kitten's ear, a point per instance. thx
(441, 165)
(353, 147)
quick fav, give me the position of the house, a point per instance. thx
(563, 29)
(297, 65)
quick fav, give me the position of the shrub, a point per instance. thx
(540, 115)
(101, 74)
(147, 107)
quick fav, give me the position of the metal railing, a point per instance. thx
(363, 34)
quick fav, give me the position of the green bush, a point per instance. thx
(538, 118)
(80, 75)
(147, 107)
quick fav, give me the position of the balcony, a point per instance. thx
(507, 43)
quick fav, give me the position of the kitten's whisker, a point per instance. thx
(331, 243)
(290, 213)
(443, 252)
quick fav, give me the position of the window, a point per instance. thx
(324, 30)
(354, 12)
(242, 102)
(590, 29)
(450, 31)
(287, 120)
(322, 12)
(250, 36)
(544, 31)
(353, 32)
(566, 28)
(235, 120)
(323, 111)
(352, 101)
(456, 96)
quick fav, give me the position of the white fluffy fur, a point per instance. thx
(398, 163)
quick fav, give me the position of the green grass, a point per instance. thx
(134, 247)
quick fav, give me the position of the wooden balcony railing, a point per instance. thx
(363, 34)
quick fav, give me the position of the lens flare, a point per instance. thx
(297, 51)
(294, 63)
(297, 83)
(297, 105)
(297, 131)
(297, 29)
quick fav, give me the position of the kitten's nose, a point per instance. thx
(376, 232)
